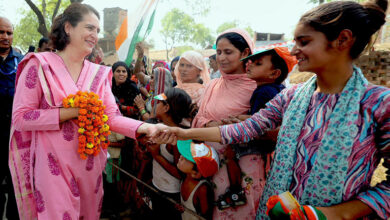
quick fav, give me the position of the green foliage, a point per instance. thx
(176, 26)
(26, 31)
(180, 50)
(179, 27)
(202, 36)
(250, 31)
(227, 25)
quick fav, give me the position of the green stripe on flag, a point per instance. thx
(137, 36)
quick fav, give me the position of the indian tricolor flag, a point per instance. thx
(135, 30)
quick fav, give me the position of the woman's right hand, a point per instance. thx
(139, 102)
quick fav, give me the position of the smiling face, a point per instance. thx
(188, 72)
(84, 36)
(120, 75)
(228, 57)
(312, 50)
(6, 34)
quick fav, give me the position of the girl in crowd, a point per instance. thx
(223, 97)
(172, 106)
(190, 68)
(335, 128)
(50, 179)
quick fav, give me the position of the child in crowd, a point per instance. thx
(335, 128)
(198, 162)
(172, 106)
(269, 68)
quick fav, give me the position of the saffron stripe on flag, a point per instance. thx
(138, 31)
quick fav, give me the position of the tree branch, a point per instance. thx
(44, 8)
(55, 10)
(42, 25)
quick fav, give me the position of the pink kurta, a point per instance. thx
(50, 179)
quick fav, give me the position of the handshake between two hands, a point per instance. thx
(161, 134)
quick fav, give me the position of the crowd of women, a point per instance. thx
(319, 141)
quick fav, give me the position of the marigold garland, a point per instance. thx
(93, 129)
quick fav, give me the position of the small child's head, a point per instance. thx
(339, 30)
(270, 66)
(197, 160)
(174, 103)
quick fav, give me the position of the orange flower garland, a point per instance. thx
(93, 129)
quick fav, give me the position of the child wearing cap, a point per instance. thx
(198, 162)
(269, 68)
(171, 108)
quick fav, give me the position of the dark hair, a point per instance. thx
(120, 63)
(179, 104)
(73, 14)
(176, 59)
(363, 20)
(277, 63)
(237, 40)
(214, 57)
(31, 48)
(42, 41)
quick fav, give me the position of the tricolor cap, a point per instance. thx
(161, 97)
(283, 52)
(204, 156)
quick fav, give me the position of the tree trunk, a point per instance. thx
(55, 10)
(320, 1)
(42, 29)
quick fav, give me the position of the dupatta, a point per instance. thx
(21, 157)
(198, 61)
(227, 95)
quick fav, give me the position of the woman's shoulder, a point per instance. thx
(375, 93)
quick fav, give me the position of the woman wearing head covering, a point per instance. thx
(223, 97)
(124, 89)
(189, 70)
(161, 63)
